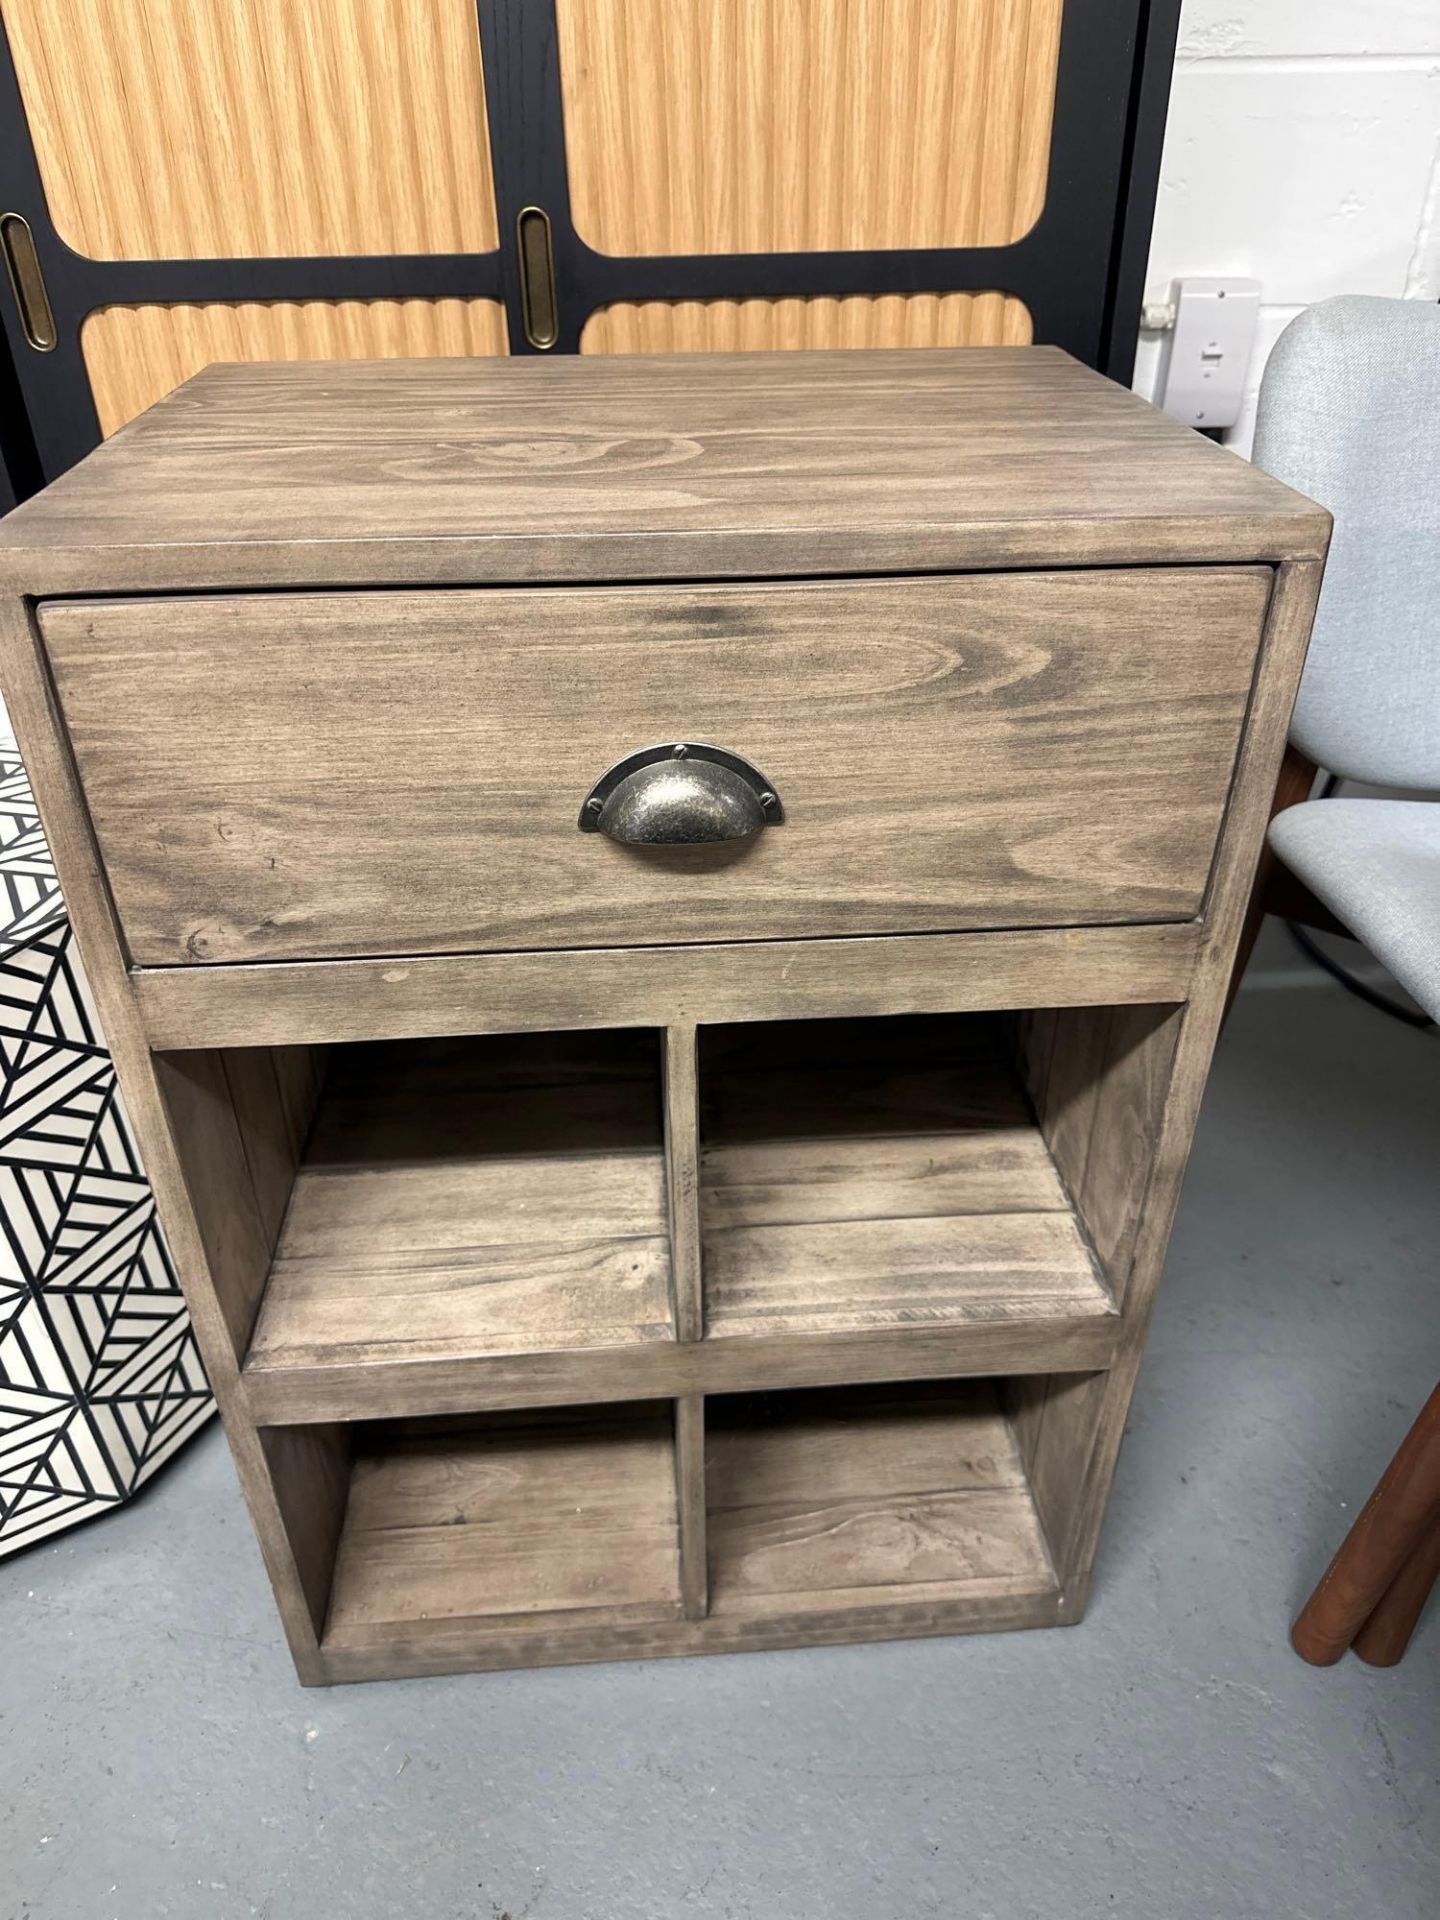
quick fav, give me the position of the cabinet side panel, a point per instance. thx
(1106, 1071)
(1197, 1026)
(310, 1470)
(210, 1143)
(30, 703)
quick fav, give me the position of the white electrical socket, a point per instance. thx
(1204, 379)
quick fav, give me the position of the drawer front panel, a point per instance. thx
(284, 776)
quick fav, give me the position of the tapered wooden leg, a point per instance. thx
(1386, 1634)
(1401, 1513)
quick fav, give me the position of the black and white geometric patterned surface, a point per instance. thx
(100, 1380)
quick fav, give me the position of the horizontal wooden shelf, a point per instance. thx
(1043, 1344)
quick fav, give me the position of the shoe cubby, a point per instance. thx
(429, 1211)
(864, 1176)
(576, 1346)
(883, 1499)
(498, 1539)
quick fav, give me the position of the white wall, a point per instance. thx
(1303, 151)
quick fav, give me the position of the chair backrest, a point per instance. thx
(1350, 414)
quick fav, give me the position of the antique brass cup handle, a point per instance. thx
(682, 794)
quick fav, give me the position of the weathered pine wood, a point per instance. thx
(690, 1498)
(681, 1088)
(854, 1496)
(760, 126)
(479, 1646)
(852, 1275)
(851, 1194)
(686, 467)
(502, 1520)
(310, 1470)
(412, 804)
(217, 1320)
(863, 1175)
(663, 986)
(1084, 1461)
(1048, 1338)
(455, 1203)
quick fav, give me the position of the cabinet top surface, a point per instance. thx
(645, 468)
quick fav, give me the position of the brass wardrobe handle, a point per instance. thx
(681, 795)
(536, 251)
(27, 282)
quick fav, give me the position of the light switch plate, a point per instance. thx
(1204, 378)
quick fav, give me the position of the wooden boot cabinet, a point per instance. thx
(662, 923)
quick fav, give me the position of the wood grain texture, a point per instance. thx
(829, 1499)
(848, 1186)
(167, 129)
(680, 1071)
(758, 126)
(136, 355)
(508, 1519)
(609, 987)
(408, 803)
(1100, 1077)
(200, 1223)
(400, 1384)
(453, 1206)
(857, 1533)
(848, 1276)
(690, 1499)
(310, 1470)
(1110, 1176)
(687, 466)
(471, 1645)
(790, 326)
(233, 1226)
(1084, 1470)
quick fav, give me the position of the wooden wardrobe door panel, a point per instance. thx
(759, 126)
(857, 320)
(136, 355)
(201, 129)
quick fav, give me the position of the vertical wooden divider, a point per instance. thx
(690, 1494)
(682, 1179)
(680, 1052)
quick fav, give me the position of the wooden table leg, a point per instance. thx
(1386, 1634)
(1397, 1518)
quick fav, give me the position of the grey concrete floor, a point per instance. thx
(1169, 1758)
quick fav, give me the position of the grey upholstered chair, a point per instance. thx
(1350, 414)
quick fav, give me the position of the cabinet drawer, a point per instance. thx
(274, 776)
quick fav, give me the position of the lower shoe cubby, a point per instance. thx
(483, 1540)
(865, 1500)
(810, 1516)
